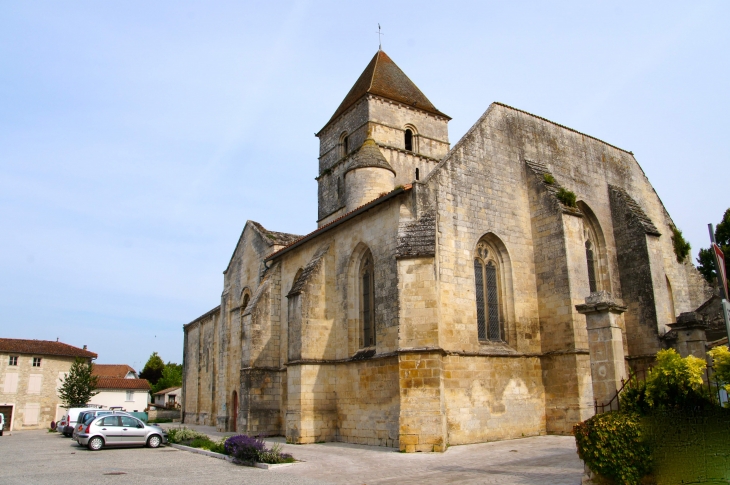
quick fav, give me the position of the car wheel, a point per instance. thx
(154, 441)
(1, 432)
(96, 443)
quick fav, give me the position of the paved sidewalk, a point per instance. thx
(539, 460)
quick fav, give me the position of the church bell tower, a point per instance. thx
(385, 133)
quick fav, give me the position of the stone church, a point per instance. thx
(492, 289)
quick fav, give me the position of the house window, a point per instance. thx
(13, 360)
(417, 174)
(486, 286)
(130, 395)
(409, 140)
(36, 361)
(367, 302)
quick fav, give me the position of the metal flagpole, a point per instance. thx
(722, 279)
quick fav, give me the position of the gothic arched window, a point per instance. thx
(409, 140)
(595, 246)
(367, 302)
(486, 281)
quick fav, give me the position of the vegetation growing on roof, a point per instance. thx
(549, 179)
(566, 197)
(681, 246)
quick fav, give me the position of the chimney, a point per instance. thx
(84, 347)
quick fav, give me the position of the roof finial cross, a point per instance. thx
(380, 40)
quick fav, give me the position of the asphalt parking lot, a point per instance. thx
(39, 457)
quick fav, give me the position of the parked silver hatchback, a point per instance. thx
(116, 430)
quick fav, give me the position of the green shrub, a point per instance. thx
(633, 397)
(566, 197)
(210, 445)
(674, 381)
(681, 247)
(178, 435)
(549, 179)
(274, 456)
(611, 445)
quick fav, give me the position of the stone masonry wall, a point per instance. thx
(493, 398)
(45, 404)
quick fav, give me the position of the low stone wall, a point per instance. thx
(163, 414)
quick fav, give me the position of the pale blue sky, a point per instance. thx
(136, 138)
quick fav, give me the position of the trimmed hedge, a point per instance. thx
(611, 445)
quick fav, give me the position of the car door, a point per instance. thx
(111, 429)
(132, 433)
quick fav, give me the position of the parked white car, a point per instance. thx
(2, 423)
(71, 417)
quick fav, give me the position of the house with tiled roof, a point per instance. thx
(122, 371)
(119, 386)
(31, 372)
(168, 398)
(495, 288)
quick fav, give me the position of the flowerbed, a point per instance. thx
(251, 449)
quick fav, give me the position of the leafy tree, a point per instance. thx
(706, 257)
(171, 377)
(77, 388)
(153, 369)
(721, 358)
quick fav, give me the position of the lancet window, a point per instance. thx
(367, 302)
(486, 281)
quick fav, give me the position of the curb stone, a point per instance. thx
(230, 459)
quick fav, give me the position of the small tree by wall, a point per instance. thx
(78, 387)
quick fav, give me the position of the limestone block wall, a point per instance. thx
(330, 189)
(262, 405)
(405, 164)
(34, 407)
(419, 313)
(422, 424)
(390, 119)
(363, 185)
(368, 402)
(637, 283)
(338, 315)
(491, 398)
(199, 372)
(311, 414)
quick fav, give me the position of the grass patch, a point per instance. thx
(567, 197)
(208, 444)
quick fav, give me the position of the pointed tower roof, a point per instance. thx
(383, 77)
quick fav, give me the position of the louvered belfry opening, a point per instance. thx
(486, 288)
